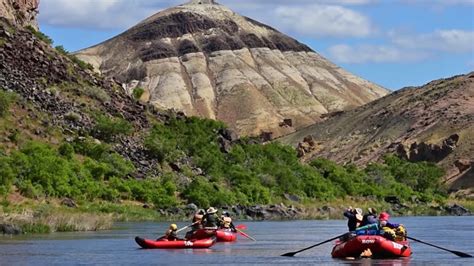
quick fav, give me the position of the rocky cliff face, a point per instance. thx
(432, 123)
(20, 12)
(206, 60)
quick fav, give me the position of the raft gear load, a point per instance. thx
(397, 234)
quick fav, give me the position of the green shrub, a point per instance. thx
(138, 92)
(60, 49)
(96, 93)
(66, 150)
(43, 37)
(91, 148)
(83, 65)
(419, 176)
(72, 116)
(7, 175)
(117, 166)
(6, 99)
(109, 128)
(35, 228)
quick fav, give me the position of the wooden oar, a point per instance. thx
(244, 234)
(458, 253)
(291, 254)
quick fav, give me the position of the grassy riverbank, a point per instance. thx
(45, 216)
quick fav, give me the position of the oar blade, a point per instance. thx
(289, 254)
(241, 227)
(461, 254)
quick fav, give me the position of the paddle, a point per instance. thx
(291, 254)
(177, 231)
(244, 234)
(458, 253)
(241, 227)
(186, 227)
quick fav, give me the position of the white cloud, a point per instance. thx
(243, 3)
(98, 14)
(456, 41)
(374, 54)
(319, 19)
(405, 47)
(323, 20)
(439, 2)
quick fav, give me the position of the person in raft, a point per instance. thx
(392, 231)
(227, 222)
(197, 219)
(354, 217)
(197, 223)
(370, 217)
(172, 233)
(210, 220)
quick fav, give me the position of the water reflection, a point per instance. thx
(367, 262)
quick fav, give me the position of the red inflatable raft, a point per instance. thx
(222, 235)
(379, 246)
(166, 244)
(226, 235)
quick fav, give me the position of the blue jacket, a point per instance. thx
(391, 225)
(369, 219)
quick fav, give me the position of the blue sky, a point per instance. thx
(394, 43)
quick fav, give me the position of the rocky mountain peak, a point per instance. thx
(202, 2)
(20, 12)
(206, 60)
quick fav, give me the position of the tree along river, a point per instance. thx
(118, 247)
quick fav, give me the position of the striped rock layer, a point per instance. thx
(206, 60)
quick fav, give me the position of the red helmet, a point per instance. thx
(384, 216)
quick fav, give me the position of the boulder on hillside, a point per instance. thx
(426, 151)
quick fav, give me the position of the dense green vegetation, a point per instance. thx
(249, 174)
(6, 99)
(254, 173)
(39, 170)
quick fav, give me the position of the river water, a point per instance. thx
(117, 246)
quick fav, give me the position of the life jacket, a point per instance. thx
(197, 218)
(388, 233)
(371, 229)
(211, 221)
(226, 222)
(197, 221)
(400, 233)
(171, 234)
